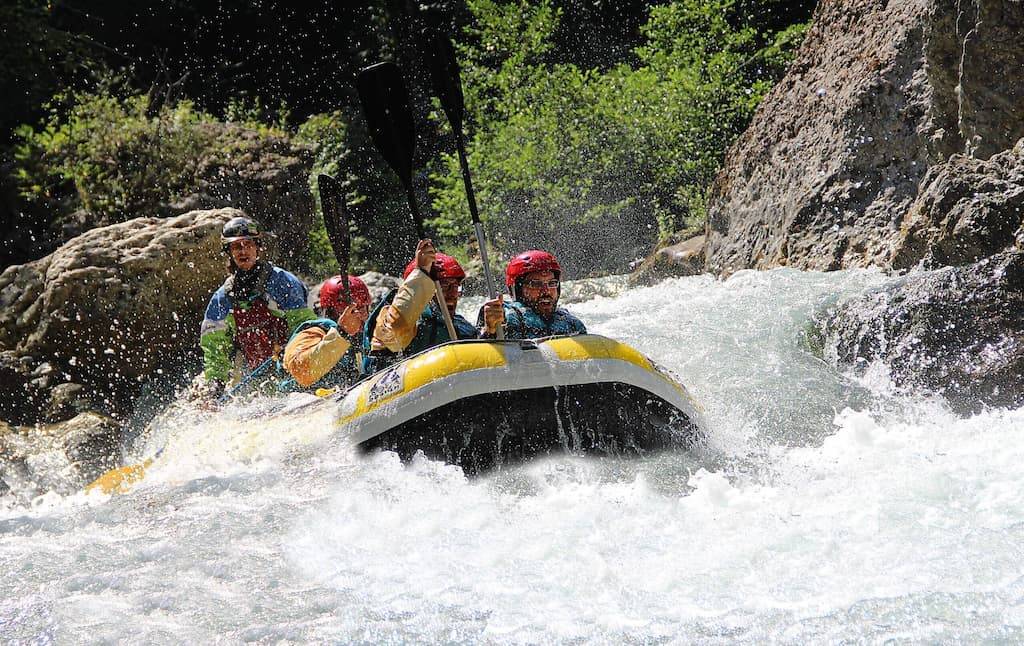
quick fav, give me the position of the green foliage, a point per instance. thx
(119, 162)
(616, 159)
(594, 164)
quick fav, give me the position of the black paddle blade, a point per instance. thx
(444, 75)
(336, 223)
(386, 106)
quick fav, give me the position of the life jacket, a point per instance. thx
(523, 322)
(430, 331)
(259, 334)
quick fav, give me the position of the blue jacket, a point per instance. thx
(270, 312)
(523, 322)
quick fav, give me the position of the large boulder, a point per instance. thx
(114, 308)
(957, 331)
(684, 258)
(836, 154)
(968, 209)
(60, 458)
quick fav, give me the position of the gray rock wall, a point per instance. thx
(836, 155)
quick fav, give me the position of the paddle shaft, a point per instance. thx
(336, 223)
(248, 379)
(438, 294)
(447, 81)
(478, 226)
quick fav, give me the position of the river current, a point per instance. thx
(828, 507)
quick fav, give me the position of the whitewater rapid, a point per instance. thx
(828, 507)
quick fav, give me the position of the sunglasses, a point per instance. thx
(450, 284)
(542, 284)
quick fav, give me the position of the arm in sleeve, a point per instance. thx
(312, 353)
(291, 297)
(216, 337)
(396, 324)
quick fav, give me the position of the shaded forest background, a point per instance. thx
(594, 127)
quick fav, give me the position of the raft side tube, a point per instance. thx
(516, 399)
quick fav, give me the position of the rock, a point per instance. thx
(968, 209)
(836, 153)
(61, 458)
(21, 399)
(380, 284)
(109, 310)
(926, 330)
(685, 258)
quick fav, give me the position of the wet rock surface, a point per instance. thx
(957, 331)
(60, 458)
(968, 209)
(685, 258)
(114, 308)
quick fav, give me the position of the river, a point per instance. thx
(828, 507)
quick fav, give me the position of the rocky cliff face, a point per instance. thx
(896, 140)
(86, 326)
(880, 94)
(967, 209)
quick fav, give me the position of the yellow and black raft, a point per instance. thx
(481, 404)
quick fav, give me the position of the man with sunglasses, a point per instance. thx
(534, 280)
(407, 321)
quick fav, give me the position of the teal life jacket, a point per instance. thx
(430, 331)
(523, 322)
(346, 372)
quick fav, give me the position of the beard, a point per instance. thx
(545, 304)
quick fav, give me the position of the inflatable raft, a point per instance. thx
(481, 404)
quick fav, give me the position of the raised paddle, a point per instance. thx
(332, 201)
(444, 75)
(336, 222)
(386, 106)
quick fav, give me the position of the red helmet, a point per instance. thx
(527, 263)
(447, 267)
(332, 293)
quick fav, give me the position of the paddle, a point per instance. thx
(336, 223)
(386, 106)
(444, 74)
